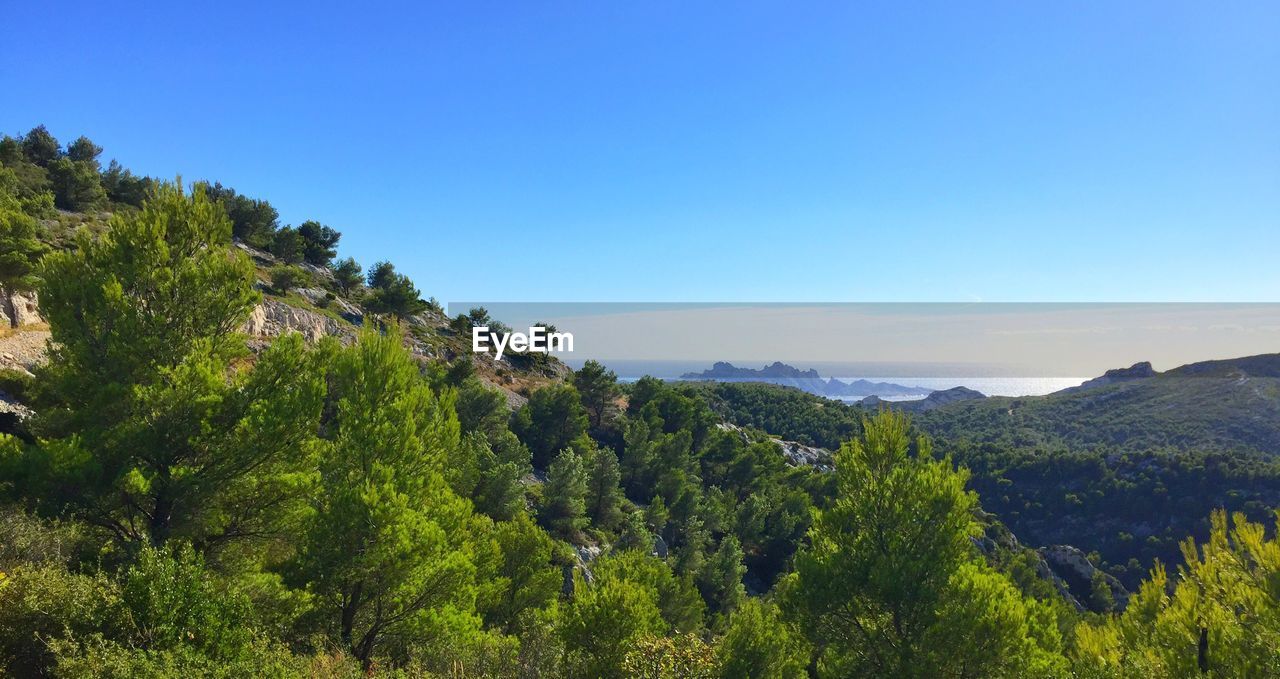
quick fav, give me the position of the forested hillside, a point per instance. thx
(1125, 470)
(183, 499)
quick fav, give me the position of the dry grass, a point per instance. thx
(30, 327)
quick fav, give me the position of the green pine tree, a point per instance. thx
(389, 541)
(564, 508)
(149, 430)
(891, 587)
(604, 495)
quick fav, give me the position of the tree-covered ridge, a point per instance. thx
(1125, 471)
(186, 506)
(66, 189)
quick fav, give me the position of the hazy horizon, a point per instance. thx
(1040, 340)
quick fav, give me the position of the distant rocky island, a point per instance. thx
(806, 380)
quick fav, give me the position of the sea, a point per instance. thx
(989, 379)
(990, 386)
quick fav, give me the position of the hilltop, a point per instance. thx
(304, 285)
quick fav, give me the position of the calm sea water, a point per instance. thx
(991, 386)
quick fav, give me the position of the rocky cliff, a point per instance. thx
(1137, 371)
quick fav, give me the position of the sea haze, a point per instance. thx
(990, 379)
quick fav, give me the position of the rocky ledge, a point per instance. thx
(273, 318)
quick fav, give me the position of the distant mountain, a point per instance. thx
(722, 370)
(806, 380)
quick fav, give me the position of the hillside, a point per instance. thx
(1228, 406)
(1124, 467)
(57, 196)
(1129, 465)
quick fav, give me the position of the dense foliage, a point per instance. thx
(1126, 470)
(187, 507)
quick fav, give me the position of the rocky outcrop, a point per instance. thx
(273, 318)
(660, 548)
(1137, 371)
(798, 454)
(18, 309)
(1262, 365)
(997, 542)
(1071, 564)
(323, 298)
(940, 398)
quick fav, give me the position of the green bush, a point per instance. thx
(42, 605)
(286, 278)
(15, 383)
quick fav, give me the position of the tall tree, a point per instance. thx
(389, 541)
(564, 495)
(40, 147)
(149, 430)
(252, 221)
(20, 248)
(1219, 618)
(348, 275)
(604, 494)
(605, 620)
(758, 643)
(598, 389)
(122, 186)
(526, 577)
(288, 245)
(392, 293)
(82, 150)
(720, 578)
(77, 186)
(676, 597)
(381, 274)
(319, 242)
(890, 586)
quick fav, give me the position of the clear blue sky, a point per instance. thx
(1017, 151)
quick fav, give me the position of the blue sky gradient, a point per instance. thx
(675, 151)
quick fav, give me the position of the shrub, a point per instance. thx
(15, 383)
(286, 278)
